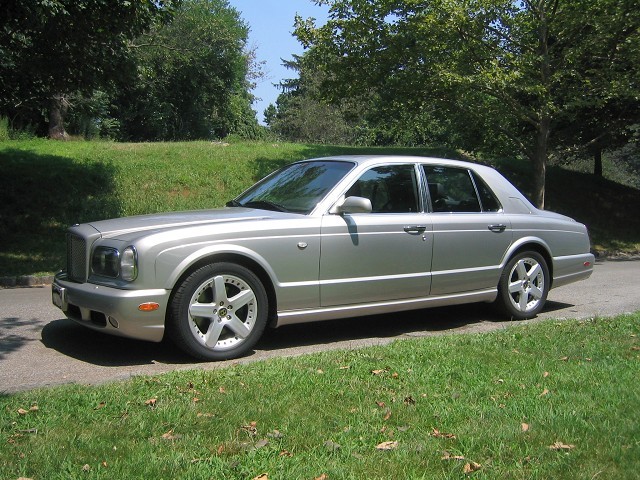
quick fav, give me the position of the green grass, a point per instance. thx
(46, 186)
(572, 383)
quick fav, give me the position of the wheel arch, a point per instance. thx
(534, 245)
(236, 258)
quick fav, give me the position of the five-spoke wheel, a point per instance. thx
(524, 285)
(218, 312)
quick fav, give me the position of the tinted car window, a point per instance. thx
(451, 189)
(391, 189)
(490, 202)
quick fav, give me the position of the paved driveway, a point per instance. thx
(38, 347)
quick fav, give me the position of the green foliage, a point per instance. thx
(191, 77)
(548, 400)
(52, 49)
(502, 74)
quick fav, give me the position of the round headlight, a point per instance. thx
(129, 264)
(104, 262)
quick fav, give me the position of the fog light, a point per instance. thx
(148, 307)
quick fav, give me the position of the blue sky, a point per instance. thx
(271, 24)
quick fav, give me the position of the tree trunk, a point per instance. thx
(597, 162)
(539, 160)
(57, 111)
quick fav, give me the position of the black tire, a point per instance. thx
(524, 285)
(218, 312)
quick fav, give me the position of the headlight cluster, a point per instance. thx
(110, 262)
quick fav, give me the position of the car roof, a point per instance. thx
(367, 159)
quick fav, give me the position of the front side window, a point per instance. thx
(297, 188)
(451, 189)
(391, 189)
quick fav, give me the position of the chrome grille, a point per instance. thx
(76, 258)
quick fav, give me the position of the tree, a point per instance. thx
(193, 77)
(499, 68)
(50, 49)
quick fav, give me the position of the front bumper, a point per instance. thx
(111, 310)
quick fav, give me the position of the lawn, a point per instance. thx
(46, 186)
(537, 401)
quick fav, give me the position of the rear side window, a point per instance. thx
(451, 189)
(489, 200)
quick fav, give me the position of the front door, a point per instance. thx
(380, 256)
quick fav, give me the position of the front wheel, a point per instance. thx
(524, 285)
(218, 312)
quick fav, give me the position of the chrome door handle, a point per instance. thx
(497, 228)
(415, 229)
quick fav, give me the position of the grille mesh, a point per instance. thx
(76, 258)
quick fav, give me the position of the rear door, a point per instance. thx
(470, 232)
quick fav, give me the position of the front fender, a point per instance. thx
(173, 262)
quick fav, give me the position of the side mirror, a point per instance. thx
(353, 205)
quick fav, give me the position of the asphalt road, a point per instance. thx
(39, 347)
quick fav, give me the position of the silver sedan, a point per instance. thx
(316, 240)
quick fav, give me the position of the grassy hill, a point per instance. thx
(46, 186)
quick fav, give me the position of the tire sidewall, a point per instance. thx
(178, 322)
(504, 297)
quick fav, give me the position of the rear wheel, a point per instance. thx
(218, 312)
(524, 285)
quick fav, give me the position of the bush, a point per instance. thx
(4, 129)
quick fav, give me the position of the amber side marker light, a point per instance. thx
(148, 307)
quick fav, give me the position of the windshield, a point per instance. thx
(295, 188)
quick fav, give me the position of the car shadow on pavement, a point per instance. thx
(94, 347)
(99, 348)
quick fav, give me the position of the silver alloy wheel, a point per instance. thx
(222, 312)
(526, 285)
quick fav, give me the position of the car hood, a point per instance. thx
(129, 227)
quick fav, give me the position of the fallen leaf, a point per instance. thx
(438, 434)
(275, 434)
(545, 374)
(635, 348)
(544, 392)
(471, 467)
(170, 436)
(322, 477)
(151, 402)
(447, 456)
(377, 372)
(390, 445)
(331, 445)
(33, 408)
(409, 400)
(262, 476)
(222, 390)
(344, 367)
(104, 464)
(561, 446)
(285, 453)
(525, 427)
(564, 359)
(320, 371)
(381, 404)
(395, 375)
(100, 405)
(262, 443)
(22, 411)
(251, 429)
(86, 467)
(387, 415)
